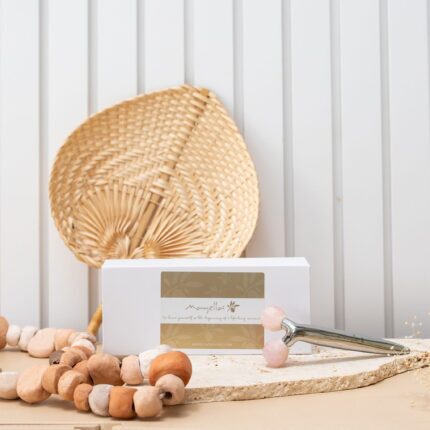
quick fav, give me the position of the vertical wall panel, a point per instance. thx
(67, 106)
(113, 69)
(410, 158)
(312, 150)
(163, 44)
(213, 48)
(263, 127)
(116, 51)
(19, 161)
(362, 166)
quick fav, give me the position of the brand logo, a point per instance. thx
(214, 307)
(232, 306)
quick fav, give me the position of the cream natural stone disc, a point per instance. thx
(246, 377)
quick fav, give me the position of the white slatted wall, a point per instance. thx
(332, 97)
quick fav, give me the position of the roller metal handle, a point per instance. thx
(338, 339)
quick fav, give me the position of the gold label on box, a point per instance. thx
(212, 310)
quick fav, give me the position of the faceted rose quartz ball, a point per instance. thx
(275, 353)
(272, 317)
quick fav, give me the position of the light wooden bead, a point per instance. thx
(173, 388)
(71, 358)
(86, 343)
(81, 353)
(42, 343)
(13, 335)
(68, 382)
(163, 348)
(130, 370)
(82, 367)
(145, 360)
(121, 403)
(8, 383)
(29, 386)
(62, 337)
(26, 334)
(99, 399)
(105, 369)
(174, 363)
(72, 337)
(147, 402)
(4, 326)
(85, 335)
(80, 397)
(88, 353)
(52, 375)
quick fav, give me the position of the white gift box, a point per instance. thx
(200, 306)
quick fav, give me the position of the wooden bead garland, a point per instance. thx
(94, 382)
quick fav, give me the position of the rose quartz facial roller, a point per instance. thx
(275, 352)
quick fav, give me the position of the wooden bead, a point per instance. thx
(82, 367)
(121, 403)
(147, 402)
(4, 325)
(85, 335)
(130, 370)
(163, 348)
(86, 343)
(29, 386)
(88, 353)
(70, 358)
(55, 357)
(8, 383)
(80, 397)
(105, 369)
(52, 375)
(81, 353)
(62, 337)
(42, 343)
(26, 334)
(13, 335)
(68, 382)
(72, 337)
(174, 363)
(99, 399)
(145, 360)
(173, 389)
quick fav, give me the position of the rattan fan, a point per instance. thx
(163, 175)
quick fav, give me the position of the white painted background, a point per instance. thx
(332, 98)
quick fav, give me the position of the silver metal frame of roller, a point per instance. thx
(338, 339)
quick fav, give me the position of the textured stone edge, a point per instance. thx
(312, 386)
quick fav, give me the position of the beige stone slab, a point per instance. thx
(233, 377)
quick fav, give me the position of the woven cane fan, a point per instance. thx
(162, 175)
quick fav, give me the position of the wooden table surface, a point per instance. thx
(397, 403)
